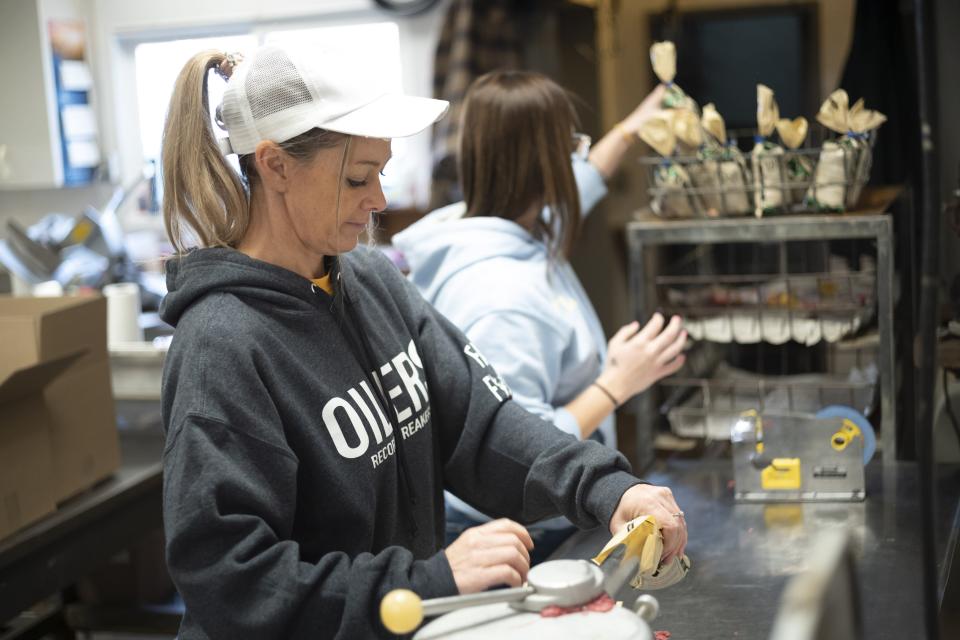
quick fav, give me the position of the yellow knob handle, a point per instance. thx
(401, 611)
(848, 431)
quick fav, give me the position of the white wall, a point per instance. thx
(31, 157)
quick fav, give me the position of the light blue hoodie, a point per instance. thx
(530, 317)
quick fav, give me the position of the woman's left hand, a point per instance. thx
(651, 500)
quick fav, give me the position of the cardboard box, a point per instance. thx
(54, 389)
(27, 487)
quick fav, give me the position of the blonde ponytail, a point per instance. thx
(203, 196)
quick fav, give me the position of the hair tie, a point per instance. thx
(226, 67)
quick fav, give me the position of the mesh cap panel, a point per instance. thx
(281, 92)
(273, 71)
(230, 113)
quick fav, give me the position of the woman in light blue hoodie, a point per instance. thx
(496, 265)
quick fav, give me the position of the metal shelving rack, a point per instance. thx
(648, 231)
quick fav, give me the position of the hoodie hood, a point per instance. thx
(445, 243)
(220, 270)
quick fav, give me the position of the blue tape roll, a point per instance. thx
(857, 418)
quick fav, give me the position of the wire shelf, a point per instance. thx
(769, 182)
(773, 308)
(708, 407)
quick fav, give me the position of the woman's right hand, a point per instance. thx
(490, 555)
(637, 358)
(651, 106)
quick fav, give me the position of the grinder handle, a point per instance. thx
(402, 611)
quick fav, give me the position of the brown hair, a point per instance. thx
(515, 146)
(203, 195)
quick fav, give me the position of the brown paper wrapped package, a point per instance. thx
(767, 157)
(670, 177)
(798, 168)
(720, 171)
(843, 165)
(663, 57)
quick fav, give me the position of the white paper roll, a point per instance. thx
(48, 289)
(123, 312)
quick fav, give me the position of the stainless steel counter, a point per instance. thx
(743, 554)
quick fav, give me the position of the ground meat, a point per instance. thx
(600, 604)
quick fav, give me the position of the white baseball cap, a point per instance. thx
(281, 91)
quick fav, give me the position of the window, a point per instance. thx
(158, 63)
(157, 67)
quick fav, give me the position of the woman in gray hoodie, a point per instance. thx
(315, 406)
(496, 265)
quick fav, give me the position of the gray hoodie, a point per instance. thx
(310, 437)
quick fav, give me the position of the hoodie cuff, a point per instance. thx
(605, 494)
(590, 185)
(432, 578)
